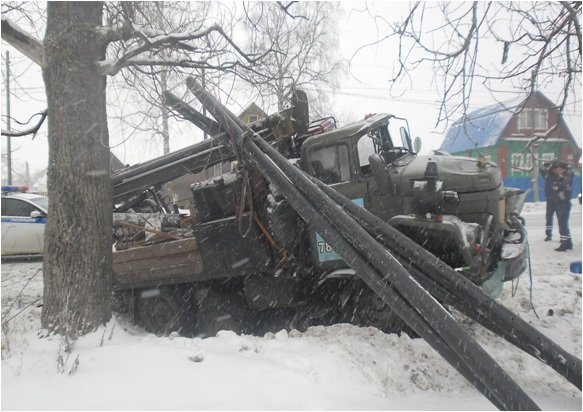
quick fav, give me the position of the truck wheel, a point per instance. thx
(165, 310)
(367, 309)
(219, 311)
(121, 301)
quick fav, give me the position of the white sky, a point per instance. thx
(366, 90)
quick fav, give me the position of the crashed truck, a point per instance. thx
(320, 225)
(244, 255)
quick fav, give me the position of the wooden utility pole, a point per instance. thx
(165, 115)
(534, 173)
(8, 138)
(533, 147)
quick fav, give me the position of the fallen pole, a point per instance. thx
(191, 159)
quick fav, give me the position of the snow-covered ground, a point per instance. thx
(341, 367)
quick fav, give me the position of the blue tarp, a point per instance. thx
(482, 127)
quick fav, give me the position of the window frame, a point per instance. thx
(538, 115)
(342, 164)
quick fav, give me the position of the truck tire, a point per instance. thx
(366, 308)
(219, 310)
(165, 310)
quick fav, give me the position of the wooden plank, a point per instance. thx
(148, 264)
(169, 262)
(159, 276)
(155, 251)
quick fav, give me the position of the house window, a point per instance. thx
(253, 118)
(521, 163)
(541, 119)
(533, 118)
(548, 157)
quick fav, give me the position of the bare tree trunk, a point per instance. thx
(77, 255)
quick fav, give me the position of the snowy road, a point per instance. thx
(544, 251)
(335, 368)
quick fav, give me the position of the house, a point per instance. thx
(251, 114)
(501, 133)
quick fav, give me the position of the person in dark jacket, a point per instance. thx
(548, 172)
(562, 189)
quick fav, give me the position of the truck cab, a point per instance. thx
(341, 158)
(456, 207)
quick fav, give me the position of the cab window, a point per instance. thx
(365, 148)
(16, 207)
(330, 164)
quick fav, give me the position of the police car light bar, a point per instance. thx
(9, 189)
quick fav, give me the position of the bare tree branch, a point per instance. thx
(22, 41)
(574, 18)
(536, 39)
(307, 59)
(32, 130)
(286, 7)
(153, 40)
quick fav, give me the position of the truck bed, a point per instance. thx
(217, 251)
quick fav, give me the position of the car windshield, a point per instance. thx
(41, 201)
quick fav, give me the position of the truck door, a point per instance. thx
(379, 202)
(333, 166)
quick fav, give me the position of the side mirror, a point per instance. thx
(417, 144)
(35, 214)
(380, 174)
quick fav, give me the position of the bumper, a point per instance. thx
(454, 241)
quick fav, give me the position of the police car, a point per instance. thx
(24, 216)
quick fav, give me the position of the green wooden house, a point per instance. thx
(503, 133)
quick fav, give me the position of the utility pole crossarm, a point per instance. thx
(22, 41)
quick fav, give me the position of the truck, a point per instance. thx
(316, 225)
(243, 259)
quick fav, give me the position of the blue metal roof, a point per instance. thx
(482, 127)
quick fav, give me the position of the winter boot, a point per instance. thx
(565, 245)
(549, 237)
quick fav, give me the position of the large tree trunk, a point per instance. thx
(77, 255)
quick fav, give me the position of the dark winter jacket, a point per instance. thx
(563, 187)
(550, 176)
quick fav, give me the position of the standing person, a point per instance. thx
(562, 188)
(548, 172)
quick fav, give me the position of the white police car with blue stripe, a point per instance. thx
(24, 216)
